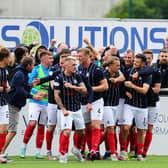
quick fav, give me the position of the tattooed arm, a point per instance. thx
(59, 102)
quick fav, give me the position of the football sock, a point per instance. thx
(148, 140)
(2, 141)
(49, 138)
(111, 142)
(28, 133)
(40, 137)
(95, 139)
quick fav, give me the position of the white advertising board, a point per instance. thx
(124, 34)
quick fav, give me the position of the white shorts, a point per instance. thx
(66, 121)
(38, 113)
(139, 114)
(153, 113)
(110, 116)
(120, 111)
(86, 114)
(4, 115)
(96, 113)
(52, 114)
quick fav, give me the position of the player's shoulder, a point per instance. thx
(105, 71)
(58, 80)
(78, 75)
(35, 69)
(59, 76)
(97, 68)
(80, 67)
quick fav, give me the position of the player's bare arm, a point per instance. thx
(59, 102)
(52, 84)
(129, 95)
(89, 107)
(142, 90)
(42, 94)
(121, 78)
(81, 88)
(156, 88)
(102, 87)
(96, 53)
(1, 88)
(135, 76)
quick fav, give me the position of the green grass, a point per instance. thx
(31, 162)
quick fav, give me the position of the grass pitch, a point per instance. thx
(31, 162)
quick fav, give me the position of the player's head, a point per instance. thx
(61, 46)
(113, 64)
(63, 55)
(70, 64)
(101, 50)
(4, 56)
(83, 55)
(39, 50)
(139, 61)
(28, 63)
(107, 55)
(93, 55)
(20, 52)
(149, 56)
(163, 56)
(46, 58)
(128, 58)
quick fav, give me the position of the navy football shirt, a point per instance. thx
(138, 99)
(112, 95)
(70, 98)
(3, 83)
(94, 75)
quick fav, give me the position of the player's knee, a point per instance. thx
(80, 132)
(51, 129)
(4, 129)
(125, 129)
(33, 123)
(67, 132)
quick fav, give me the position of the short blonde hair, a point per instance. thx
(68, 58)
(112, 60)
(86, 51)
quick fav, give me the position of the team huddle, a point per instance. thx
(86, 91)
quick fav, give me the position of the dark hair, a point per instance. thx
(65, 51)
(27, 47)
(148, 51)
(19, 53)
(4, 53)
(27, 61)
(108, 48)
(130, 51)
(142, 57)
(164, 51)
(37, 60)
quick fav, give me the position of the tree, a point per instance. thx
(145, 9)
